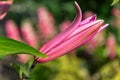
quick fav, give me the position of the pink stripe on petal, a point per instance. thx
(83, 27)
(75, 40)
(104, 26)
(60, 37)
(89, 19)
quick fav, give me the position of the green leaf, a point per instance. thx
(9, 46)
(24, 69)
(114, 2)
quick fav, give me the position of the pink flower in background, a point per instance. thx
(28, 34)
(4, 5)
(115, 12)
(97, 41)
(78, 33)
(46, 24)
(12, 30)
(110, 46)
(64, 25)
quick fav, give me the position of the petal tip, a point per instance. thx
(75, 2)
(77, 5)
(79, 12)
(100, 21)
(104, 26)
(94, 17)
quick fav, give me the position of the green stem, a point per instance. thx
(33, 64)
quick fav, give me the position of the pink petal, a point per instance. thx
(60, 37)
(89, 19)
(104, 26)
(83, 27)
(4, 5)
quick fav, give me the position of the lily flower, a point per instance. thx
(111, 46)
(78, 33)
(4, 5)
(46, 24)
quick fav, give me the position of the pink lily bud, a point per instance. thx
(4, 5)
(64, 25)
(29, 34)
(46, 23)
(78, 33)
(110, 46)
(12, 30)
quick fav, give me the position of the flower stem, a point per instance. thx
(33, 64)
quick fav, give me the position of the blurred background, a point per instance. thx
(96, 60)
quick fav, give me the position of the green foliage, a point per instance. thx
(109, 71)
(24, 70)
(68, 67)
(9, 46)
(114, 2)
